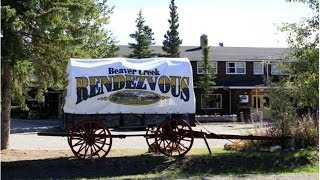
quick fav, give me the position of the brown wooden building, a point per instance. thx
(241, 73)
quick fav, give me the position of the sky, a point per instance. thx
(235, 23)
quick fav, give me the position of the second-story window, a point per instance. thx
(200, 68)
(258, 68)
(275, 70)
(236, 68)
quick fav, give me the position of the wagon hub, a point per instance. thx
(90, 141)
(173, 137)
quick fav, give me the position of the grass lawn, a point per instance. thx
(199, 163)
(138, 164)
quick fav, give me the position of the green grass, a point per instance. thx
(137, 164)
(199, 163)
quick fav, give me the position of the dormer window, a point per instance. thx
(236, 68)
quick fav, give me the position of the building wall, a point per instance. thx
(225, 103)
(249, 78)
(230, 97)
(224, 79)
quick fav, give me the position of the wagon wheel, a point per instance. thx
(174, 137)
(150, 138)
(90, 140)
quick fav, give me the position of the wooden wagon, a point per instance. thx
(158, 89)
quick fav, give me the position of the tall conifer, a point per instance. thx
(172, 42)
(206, 81)
(144, 39)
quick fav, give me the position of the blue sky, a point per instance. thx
(237, 23)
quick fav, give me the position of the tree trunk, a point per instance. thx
(6, 95)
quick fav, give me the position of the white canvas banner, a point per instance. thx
(121, 85)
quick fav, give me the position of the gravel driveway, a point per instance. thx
(24, 135)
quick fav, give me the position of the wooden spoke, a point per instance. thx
(174, 137)
(150, 138)
(90, 140)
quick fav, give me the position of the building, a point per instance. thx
(240, 77)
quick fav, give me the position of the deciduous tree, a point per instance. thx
(303, 41)
(301, 86)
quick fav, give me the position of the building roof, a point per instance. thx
(194, 53)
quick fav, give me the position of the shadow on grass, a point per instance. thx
(241, 163)
(192, 165)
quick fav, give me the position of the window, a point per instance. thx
(200, 68)
(236, 68)
(213, 102)
(258, 68)
(275, 70)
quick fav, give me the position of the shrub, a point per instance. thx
(306, 132)
(303, 130)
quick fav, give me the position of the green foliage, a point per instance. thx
(303, 40)
(300, 88)
(172, 41)
(303, 80)
(206, 80)
(282, 108)
(40, 36)
(144, 39)
(23, 73)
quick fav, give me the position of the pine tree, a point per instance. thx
(206, 80)
(38, 38)
(172, 42)
(144, 39)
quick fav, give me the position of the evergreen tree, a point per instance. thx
(172, 42)
(144, 39)
(206, 80)
(38, 38)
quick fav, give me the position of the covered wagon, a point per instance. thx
(156, 92)
(113, 92)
